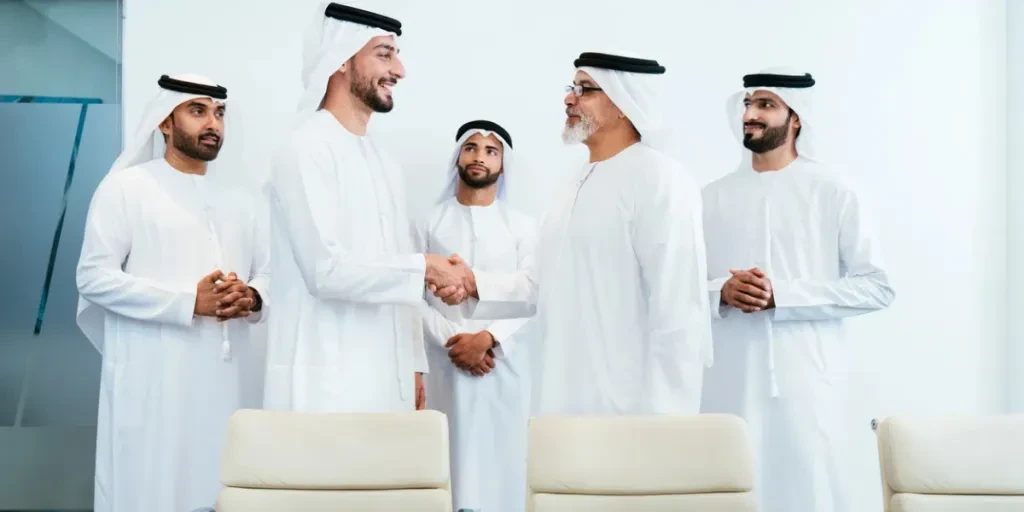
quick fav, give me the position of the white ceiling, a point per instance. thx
(96, 22)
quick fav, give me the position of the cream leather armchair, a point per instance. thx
(311, 462)
(640, 464)
(965, 464)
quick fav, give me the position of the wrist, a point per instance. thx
(257, 300)
(471, 285)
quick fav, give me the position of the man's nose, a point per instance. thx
(398, 70)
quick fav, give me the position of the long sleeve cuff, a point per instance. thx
(718, 310)
(420, 365)
(260, 316)
(499, 298)
(185, 308)
(417, 278)
(503, 333)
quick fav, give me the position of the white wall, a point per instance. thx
(913, 99)
(1015, 199)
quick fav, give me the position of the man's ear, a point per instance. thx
(347, 65)
(167, 125)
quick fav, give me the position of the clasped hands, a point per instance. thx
(472, 352)
(224, 297)
(748, 290)
(450, 279)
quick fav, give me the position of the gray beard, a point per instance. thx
(580, 132)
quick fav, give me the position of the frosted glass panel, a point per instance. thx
(56, 55)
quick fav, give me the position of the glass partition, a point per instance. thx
(60, 118)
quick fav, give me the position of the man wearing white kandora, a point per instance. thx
(348, 336)
(791, 252)
(619, 280)
(479, 370)
(171, 348)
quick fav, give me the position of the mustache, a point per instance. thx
(210, 135)
(573, 112)
(754, 123)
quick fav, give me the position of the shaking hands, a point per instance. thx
(450, 279)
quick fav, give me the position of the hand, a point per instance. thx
(451, 280)
(453, 295)
(206, 294)
(421, 392)
(237, 298)
(468, 350)
(485, 366)
(748, 290)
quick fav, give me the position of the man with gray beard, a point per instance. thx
(618, 281)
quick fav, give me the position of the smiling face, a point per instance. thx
(480, 160)
(373, 72)
(195, 129)
(768, 122)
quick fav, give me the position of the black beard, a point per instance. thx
(192, 148)
(365, 91)
(471, 182)
(771, 136)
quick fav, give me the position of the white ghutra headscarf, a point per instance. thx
(466, 131)
(144, 145)
(336, 33)
(796, 89)
(634, 84)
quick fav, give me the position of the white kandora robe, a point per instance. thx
(782, 369)
(167, 388)
(347, 336)
(487, 416)
(619, 289)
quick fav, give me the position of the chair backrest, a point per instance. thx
(317, 462)
(640, 463)
(972, 464)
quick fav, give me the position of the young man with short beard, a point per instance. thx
(348, 336)
(791, 253)
(168, 262)
(479, 374)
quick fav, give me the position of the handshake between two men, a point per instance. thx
(452, 281)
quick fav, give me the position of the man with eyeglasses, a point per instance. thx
(618, 283)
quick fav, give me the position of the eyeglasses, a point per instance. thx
(579, 90)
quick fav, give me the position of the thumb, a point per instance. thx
(733, 271)
(212, 277)
(452, 341)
